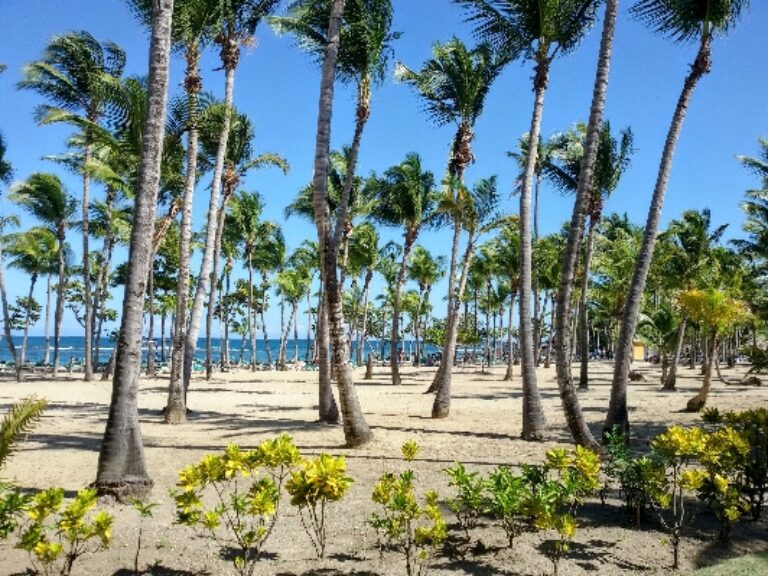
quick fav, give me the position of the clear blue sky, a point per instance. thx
(277, 86)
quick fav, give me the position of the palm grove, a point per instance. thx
(591, 289)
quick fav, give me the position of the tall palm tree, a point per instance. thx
(122, 469)
(79, 76)
(363, 258)
(236, 25)
(425, 270)
(6, 175)
(267, 256)
(35, 253)
(682, 21)
(453, 85)
(405, 197)
(538, 31)
(44, 197)
(356, 429)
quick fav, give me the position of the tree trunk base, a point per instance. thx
(669, 387)
(174, 416)
(369, 368)
(359, 439)
(583, 385)
(124, 490)
(695, 404)
(533, 436)
(440, 410)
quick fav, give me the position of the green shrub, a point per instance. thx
(58, 533)
(234, 497)
(470, 502)
(414, 529)
(318, 482)
(506, 493)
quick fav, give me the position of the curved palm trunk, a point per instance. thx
(203, 279)
(573, 414)
(441, 407)
(617, 408)
(212, 292)
(534, 422)
(59, 313)
(122, 470)
(670, 382)
(583, 308)
(176, 410)
(6, 313)
(356, 430)
(364, 326)
(697, 403)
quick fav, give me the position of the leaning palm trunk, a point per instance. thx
(175, 411)
(534, 422)
(573, 414)
(441, 407)
(617, 408)
(356, 430)
(395, 337)
(670, 382)
(214, 276)
(583, 308)
(6, 313)
(203, 280)
(122, 470)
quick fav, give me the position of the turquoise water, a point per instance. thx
(72, 347)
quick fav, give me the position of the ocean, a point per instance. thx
(72, 348)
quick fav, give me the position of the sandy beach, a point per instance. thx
(482, 432)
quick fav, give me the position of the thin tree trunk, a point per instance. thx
(47, 321)
(151, 314)
(534, 422)
(510, 338)
(697, 403)
(328, 410)
(395, 338)
(23, 356)
(617, 408)
(267, 347)
(356, 430)
(121, 469)
(6, 312)
(583, 308)
(670, 382)
(87, 303)
(214, 277)
(59, 313)
(175, 411)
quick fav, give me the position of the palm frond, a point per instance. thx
(20, 419)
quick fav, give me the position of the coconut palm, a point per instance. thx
(35, 253)
(44, 197)
(682, 21)
(453, 85)
(405, 197)
(6, 169)
(538, 31)
(425, 270)
(356, 429)
(122, 470)
(79, 76)
(363, 259)
(268, 255)
(6, 175)
(236, 25)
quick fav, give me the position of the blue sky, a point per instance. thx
(277, 86)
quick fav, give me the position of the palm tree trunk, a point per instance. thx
(395, 338)
(267, 347)
(574, 416)
(548, 358)
(510, 338)
(175, 411)
(59, 313)
(617, 408)
(6, 312)
(121, 469)
(583, 308)
(534, 422)
(697, 403)
(356, 430)
(214, 277)
(203, 280)
(151, 314)
(87, 302)
(23, 356)
(46, 322)
(364, 327)
(670, 382)
(251, 327)
(328, 410)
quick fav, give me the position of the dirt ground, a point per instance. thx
(482, 432)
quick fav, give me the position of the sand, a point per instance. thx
(482, 432)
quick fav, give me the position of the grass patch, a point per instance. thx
(749, 565)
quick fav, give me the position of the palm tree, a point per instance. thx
(404, 196)
(454, 84)
(539, 31)
(44, 197)
(425, 270)
(268, 255)
(682, 21)
(237, 22)
(364, 257)
(122, 469)
(6, 175)
(356, 429)
(33, 252)
(79, 76)
(6, 169)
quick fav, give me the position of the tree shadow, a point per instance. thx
(160, 570)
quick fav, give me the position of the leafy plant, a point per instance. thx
(318, 482)
(234, 497)
(415, 529)
(145, 511)
(19, 421)
(506, 494)
(58, 533)
(470, 502)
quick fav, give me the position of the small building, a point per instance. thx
(638, 351)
